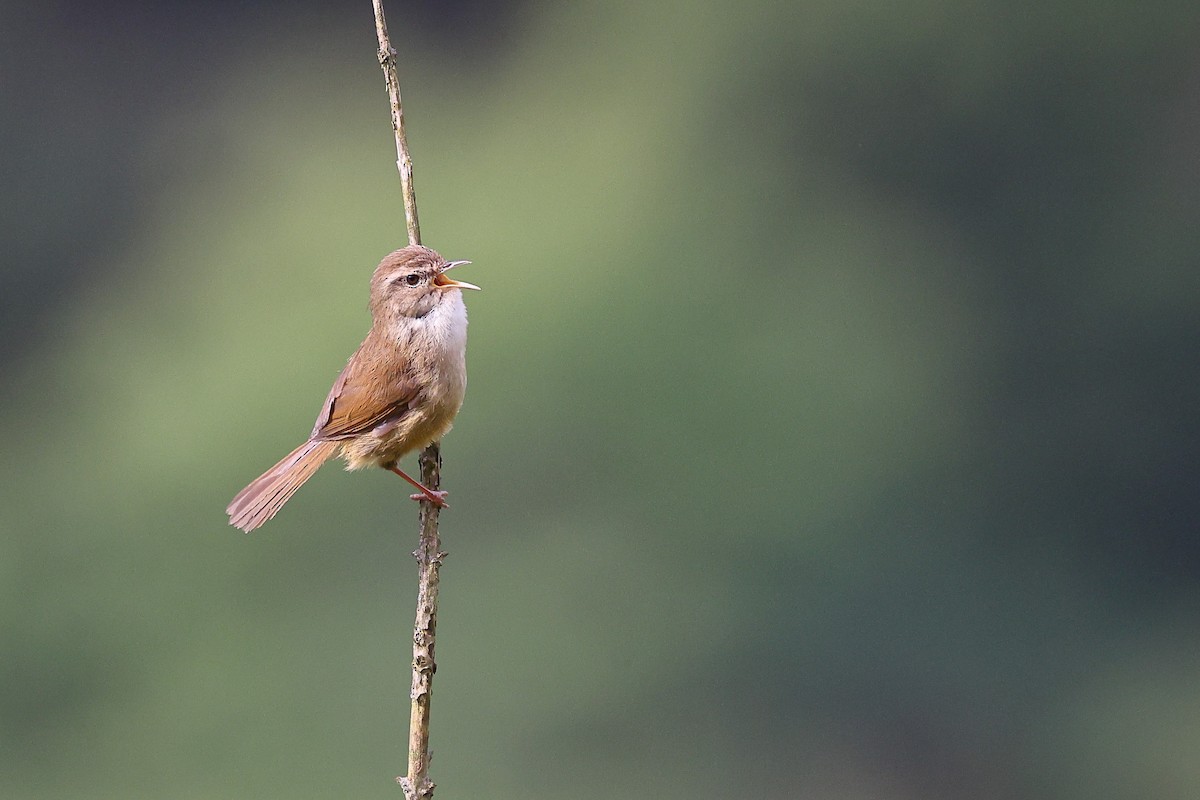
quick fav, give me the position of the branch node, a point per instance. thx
(425, 792)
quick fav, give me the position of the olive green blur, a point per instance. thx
(831, 428)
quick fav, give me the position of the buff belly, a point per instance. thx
(387, 444)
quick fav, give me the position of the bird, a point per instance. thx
(400, 390)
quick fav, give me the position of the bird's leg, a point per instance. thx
(427, 494)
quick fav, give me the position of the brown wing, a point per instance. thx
(371, 391)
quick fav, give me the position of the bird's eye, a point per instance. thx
(413, 279)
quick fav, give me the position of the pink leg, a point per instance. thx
(427, 494)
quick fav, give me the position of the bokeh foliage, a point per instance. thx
(831, 430)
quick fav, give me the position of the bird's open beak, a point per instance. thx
(441, 281)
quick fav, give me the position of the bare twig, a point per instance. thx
(387, 60)
(429, 555)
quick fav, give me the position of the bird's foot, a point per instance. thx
(437, 498)
(426, 495)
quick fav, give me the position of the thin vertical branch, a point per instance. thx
(429, 555)
(387, 60)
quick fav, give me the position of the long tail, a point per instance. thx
(267, 493)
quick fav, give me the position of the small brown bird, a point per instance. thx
(400, 390)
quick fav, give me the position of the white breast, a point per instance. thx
(442, 334)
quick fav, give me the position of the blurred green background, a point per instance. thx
(832, 422)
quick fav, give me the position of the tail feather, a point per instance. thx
(267, 493)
